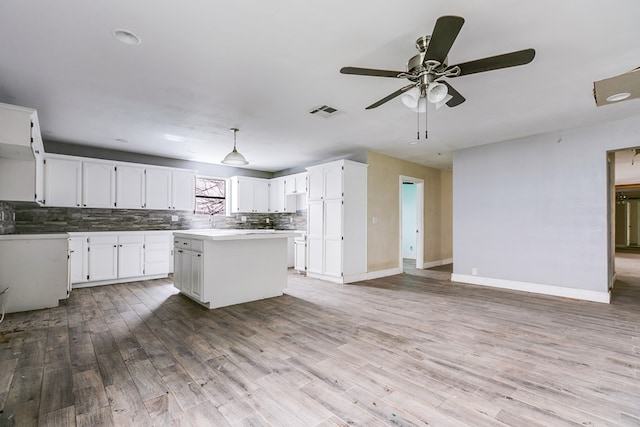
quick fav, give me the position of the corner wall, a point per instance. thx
(383, 189)
(531, 214)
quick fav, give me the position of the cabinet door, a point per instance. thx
(315, 237)
(130, 256)
(290, 184)
(78, 259)
(184, 261)
(332, 182)
(103, 257)
(130, 187)
(299, 262)
(333, 237)
(62, 182)
(315, 181)
(197, 275)
(183, 190)
(157, 188)
(276, 195)
(261, 196)
(301, 183)
(98, 185)
(243, 195)
(177, 269)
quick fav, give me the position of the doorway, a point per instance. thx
(411, 221)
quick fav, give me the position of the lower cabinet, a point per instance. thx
(112, 257)
(188, 268)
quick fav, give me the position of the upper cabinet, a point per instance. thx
(21, 149)
(277, 199)
(296, 184)
(325, 182)
(249, 194)
(79, 182)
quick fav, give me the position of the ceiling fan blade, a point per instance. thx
(370, 72)
(456, 98)
(444, 34)
(391, 96)
(506, 60)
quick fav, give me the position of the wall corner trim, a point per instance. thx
(383, 273)
(559, 291)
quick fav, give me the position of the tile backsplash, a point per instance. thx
(7, 222)
(34, 220)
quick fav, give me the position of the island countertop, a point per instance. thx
(235, 234)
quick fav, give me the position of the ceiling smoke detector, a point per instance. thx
(126, 37)
(324, 111)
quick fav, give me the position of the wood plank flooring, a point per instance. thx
(412, 349)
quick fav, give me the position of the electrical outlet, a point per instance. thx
(374, 220)
(2, 216)
(291, 220)
(474, 271)
(174, 218)
(243, 218)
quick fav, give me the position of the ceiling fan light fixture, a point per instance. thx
(436, 92)
(618, 97)
(410, 98)
(421, 105)
(444, 101)
(234, 158)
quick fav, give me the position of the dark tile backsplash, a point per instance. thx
(34, 220)
(7, 223)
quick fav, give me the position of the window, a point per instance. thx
(211, 196)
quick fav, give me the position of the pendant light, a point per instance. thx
(234, 158)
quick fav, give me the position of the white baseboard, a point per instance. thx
(115, 281)
(559, 291)
(437, 263)
(383, 273)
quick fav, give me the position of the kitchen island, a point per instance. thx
(218, 268)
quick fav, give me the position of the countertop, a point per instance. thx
(34, 236)
(234, 234)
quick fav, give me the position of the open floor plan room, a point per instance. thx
(403, 350)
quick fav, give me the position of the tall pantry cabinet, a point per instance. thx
(337, 221)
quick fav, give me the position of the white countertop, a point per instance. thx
(232, 234)
(34, 236)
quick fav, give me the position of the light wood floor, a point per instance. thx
(405, 350)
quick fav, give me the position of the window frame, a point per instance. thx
(227, 193)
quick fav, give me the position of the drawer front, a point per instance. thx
(180, 243)
(131, 239)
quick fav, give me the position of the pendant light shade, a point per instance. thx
(234, 158)
(436, 92)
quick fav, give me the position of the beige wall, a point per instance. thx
(383, 188)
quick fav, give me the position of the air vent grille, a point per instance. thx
(324, 111)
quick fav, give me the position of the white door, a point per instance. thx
(157, 188)
(62, 182)
(103, 257)
(177, 269)
(333, 182)
(333, 237)
(98, 185)
(261, 196)
(276, 195)
(315, 237)
(315, 181)
(130, 256)
(78, 259)
(243, 195)
(130, 187)
(196, 275)
(183, 190)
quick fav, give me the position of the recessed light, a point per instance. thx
(126, 37)
(618, 96)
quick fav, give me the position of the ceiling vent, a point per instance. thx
(615, 89)
(324, 111)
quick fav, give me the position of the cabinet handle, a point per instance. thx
(115, 246)
(199, 255)
(77, 204)
(84, 204)
(120, 245)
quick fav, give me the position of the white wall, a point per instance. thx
(409, 221)
(531, 214)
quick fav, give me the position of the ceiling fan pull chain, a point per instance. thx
(426, 129)
(418, 122)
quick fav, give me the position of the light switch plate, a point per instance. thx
(174, 218)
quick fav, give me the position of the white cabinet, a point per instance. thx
(103, 257)
(21, 150)
(78, 259)
(130, 256)
(157, 254)
(296, 184)
(170, 189)
(300, 255)
(98, 184)
(337, 221)
(188, 268)
(62, 182)
(249, 194)
(130, 187)
(277, 199)
(183, 190)
(113, 257)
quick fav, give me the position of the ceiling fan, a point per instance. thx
(427, 69)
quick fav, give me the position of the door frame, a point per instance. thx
(419, 220)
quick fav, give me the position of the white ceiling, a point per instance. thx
(206, 66)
